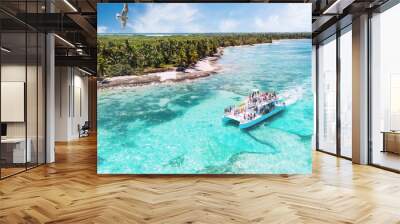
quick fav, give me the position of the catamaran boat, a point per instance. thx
(257, 107)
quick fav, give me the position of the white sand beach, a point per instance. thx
(202, 68)
(165, 75)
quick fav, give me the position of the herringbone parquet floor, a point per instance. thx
(70, 191)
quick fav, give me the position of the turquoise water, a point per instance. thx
(176, 128)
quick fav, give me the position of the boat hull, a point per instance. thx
(262, 118)
(226, 119)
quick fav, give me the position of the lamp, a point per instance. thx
(5, 50)
(64, 40)
(70, 5)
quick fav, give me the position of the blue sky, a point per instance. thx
(205, 18)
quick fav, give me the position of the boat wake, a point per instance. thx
(293, 95)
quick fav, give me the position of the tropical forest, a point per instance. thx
(120, 55)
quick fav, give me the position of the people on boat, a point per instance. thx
(253, 109)
(257, 103)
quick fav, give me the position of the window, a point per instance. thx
(346, 92)
(385, 89)
(327, 95)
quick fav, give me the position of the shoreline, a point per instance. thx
(203, 68)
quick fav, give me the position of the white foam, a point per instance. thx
(163, 102)
(293, 95)
(166, 75)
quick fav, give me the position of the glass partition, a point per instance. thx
(23, 91)
(327, 95)
(15, 150)
(385, 89)
(32, 97)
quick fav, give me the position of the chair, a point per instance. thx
(84, 130)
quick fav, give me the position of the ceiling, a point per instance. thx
(74, 22)
(331, 15)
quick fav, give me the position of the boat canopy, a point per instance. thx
(255, 90)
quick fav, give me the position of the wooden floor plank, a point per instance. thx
(70, 191)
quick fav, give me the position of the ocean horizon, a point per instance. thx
(185, 34)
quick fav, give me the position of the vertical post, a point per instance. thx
(1, 165)
(50, 106)
(316, 97)
(338, 76)
(360, 90)
(50, 92)
(369, 53)
(37, 89)
(26, 87)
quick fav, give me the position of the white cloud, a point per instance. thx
(178, 18)
(295, 18)
(167, 18)
(102, 29)
(228, 25)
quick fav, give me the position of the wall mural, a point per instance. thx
(204, 88)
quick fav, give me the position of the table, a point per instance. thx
(391, 141)
(19, 154)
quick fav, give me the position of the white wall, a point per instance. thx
(13, 101)
(9, 73)
(71, 102)
(62, 82)
(17, 73)
(81, 102)
(13, 72)
(33, 126)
